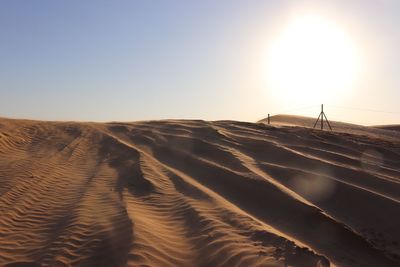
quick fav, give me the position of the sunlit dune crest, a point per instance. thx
(197, 193)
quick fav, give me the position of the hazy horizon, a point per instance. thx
(140, 60)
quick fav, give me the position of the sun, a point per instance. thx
(312, 61)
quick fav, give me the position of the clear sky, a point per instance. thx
(138, 60)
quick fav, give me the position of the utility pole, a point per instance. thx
(269, 120)
(321, 116)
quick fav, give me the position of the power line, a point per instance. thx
(334, 106)
(290, 110)
(364, 109)
(296, 109)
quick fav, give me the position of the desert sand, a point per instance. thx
(198, 193)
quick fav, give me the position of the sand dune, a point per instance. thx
(394, 127)
(387, 132)
(197, 193)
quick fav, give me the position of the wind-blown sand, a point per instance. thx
(196, 193)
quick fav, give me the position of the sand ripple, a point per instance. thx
(195, 193)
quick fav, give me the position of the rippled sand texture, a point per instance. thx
(196, 193)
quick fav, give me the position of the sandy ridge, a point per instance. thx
(195, 193)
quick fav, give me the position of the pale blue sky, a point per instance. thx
(139, 60)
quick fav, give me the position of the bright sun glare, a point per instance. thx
(312, 61)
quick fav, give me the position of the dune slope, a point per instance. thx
(196, 193)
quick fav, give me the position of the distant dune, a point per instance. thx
(196, 193)
(381, 132)
(394, 127)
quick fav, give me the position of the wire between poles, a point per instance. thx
(364, 109)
